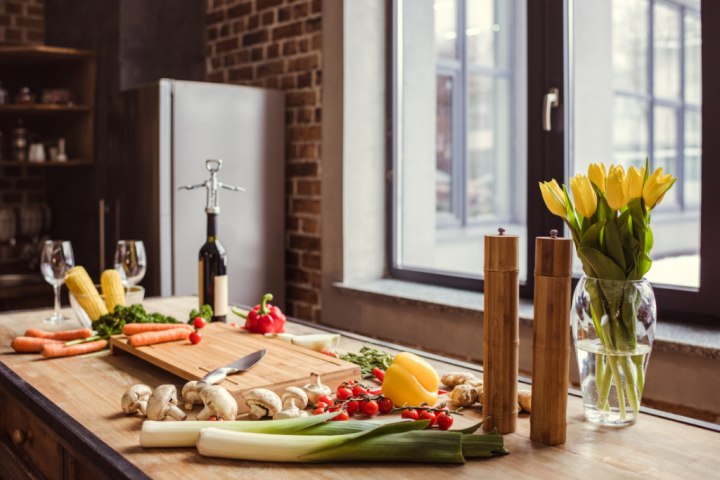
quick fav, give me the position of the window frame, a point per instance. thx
(546, 69)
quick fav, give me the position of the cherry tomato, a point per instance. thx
(213, 418)
(358, 390)
(334, 408)
(427, 415)
(326, 399)
(195, 337)
(199, 322)
(319, 411)
(442, 408)
(340, 417)
(410, 413)
(444, 421)
(369, 407)
(385, 405)
(343, 393)
(352, 407)
(322, 405)
(351, 382)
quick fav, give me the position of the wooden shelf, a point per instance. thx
(41, 108)
(41, 54)
(48, 163)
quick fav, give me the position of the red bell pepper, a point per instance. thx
(265, 318)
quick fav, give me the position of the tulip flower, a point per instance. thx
(656, 186)
(635, 179)
(554, 197)
(598, 175)
(617, 188)
(583, 195)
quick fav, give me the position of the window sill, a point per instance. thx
(671, 336)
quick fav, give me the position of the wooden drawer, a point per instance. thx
(29, 438)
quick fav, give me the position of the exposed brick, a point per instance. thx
(317, 42)
(305, 243)
(242, 74)
(315, 280)
(286, 31)
(227, 45)
(290, 47)
(287, 83)
(313, 24)
(308, 187)
(311, 261)
(255, 38)
(13, 35)
(13, 8)
(296, 275)
(310, 225)
(253, 22)
(292, 259)
(217, 77)
(298, 98)
(212, 33)
(239, 10)
(305, 115)
(301, 10)
(216, 16)
(256, 54)
(300, 205)
(272, 68)
(318, 115)
(301, 310)
(268, 18)
(284, 14)
(304, 80)
(302, 294)
(273, 51)
(5, 20)
(308, 62)
(316, 6)
(35, 10)
(271, 82)
(224, 30)
(29, 23)
(304, 45)
(305, 133)
(263, 4)
(292, 224)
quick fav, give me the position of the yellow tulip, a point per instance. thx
(635, 179)
(554, 197)
(617, 188)
(583, 195)
(656, 186)
(598, 175)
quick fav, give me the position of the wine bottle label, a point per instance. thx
(221, 296)
(200, 284)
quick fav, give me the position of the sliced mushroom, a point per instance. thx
(262, 403)
(136, 399)
(163, 402)
(191, 395)
(219, 403)
(315, 389)
(295, 394)
(290, 411)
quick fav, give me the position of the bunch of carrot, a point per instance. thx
(141, 334)
(57, 344)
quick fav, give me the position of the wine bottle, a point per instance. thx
(212, 274)
(212, 261)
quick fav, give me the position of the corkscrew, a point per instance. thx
(213, 185)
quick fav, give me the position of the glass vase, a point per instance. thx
(613, 326)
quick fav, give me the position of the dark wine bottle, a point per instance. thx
(212, 274)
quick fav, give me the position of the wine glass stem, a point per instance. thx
(57, 300)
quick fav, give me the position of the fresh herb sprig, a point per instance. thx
(369, 358)
(113, 323)
(205, 312)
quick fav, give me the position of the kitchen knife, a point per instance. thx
(243, 364)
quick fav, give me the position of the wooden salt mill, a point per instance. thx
(500, 341)
(551, 339)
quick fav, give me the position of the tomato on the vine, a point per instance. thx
(352, 407)
(195, 337)
(358, 390)
(369, 407)
(326, 399)
(340, 417)
(444, 421)
(199, 322)
(343, 393)
(428, 415)
(385, 405)
(319, 411)
(322, 405)
(410, 413)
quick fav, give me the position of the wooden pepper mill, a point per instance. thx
(500, 341)
(551, 339)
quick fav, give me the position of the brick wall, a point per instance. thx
(21, 23)
(278, 44)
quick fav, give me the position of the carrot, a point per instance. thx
(135, 328)
(52, 350)
(162, 336)
(62, 335)
(31, 344)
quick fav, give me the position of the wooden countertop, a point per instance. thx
(86, 393)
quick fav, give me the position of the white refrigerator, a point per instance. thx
(161, 135)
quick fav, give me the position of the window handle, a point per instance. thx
(550, 100)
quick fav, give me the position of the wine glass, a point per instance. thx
(56, 259)
(130, 261)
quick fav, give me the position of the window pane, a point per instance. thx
(666, 150)
(444, 156)
(692, 59)
(691, 182)
(488, 33)
(629, 42)
(667, 51)
(445, 28)
(488, 148)
(630, 132)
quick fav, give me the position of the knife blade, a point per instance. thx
(240, 365)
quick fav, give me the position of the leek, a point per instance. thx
(395, 442)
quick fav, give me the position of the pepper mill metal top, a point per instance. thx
(212, 185)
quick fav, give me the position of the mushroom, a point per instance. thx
(219, 403)
(191, 395)
(262, 403)
(163, 402)
(290, 410)
(315, 389)
(135, 399)
(296, 395)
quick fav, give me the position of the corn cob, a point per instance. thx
(81, 286)
(112, 289)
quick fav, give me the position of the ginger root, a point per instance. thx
(525, 400)
(453, 379)
(465, 395)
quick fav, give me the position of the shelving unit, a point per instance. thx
(40, 67)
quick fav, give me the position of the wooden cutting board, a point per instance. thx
(284, 365)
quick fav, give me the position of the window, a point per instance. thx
(468, 148)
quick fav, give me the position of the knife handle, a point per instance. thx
(213, 377)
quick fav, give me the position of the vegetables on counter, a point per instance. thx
(160, 336)
(82, 287)
(467, 390)
(31, 344)
(400, 441)
(51, 350)
(135, 328)
(112, 289)
(195, 337)
(264, 317)
(410, 380)
(205, 312)
(315, 389)
(319, 342)
(64, 335)
(369, 358)
(135, 399)
(296, 395)
(191, 395)
(262, 403)
(163, 402)
(219, 403)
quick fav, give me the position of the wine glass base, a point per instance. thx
(56, 318)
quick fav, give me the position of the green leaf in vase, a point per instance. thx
(591, 239)
(603, 266)
(614, 244)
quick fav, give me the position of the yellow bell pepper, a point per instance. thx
(410, 380)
